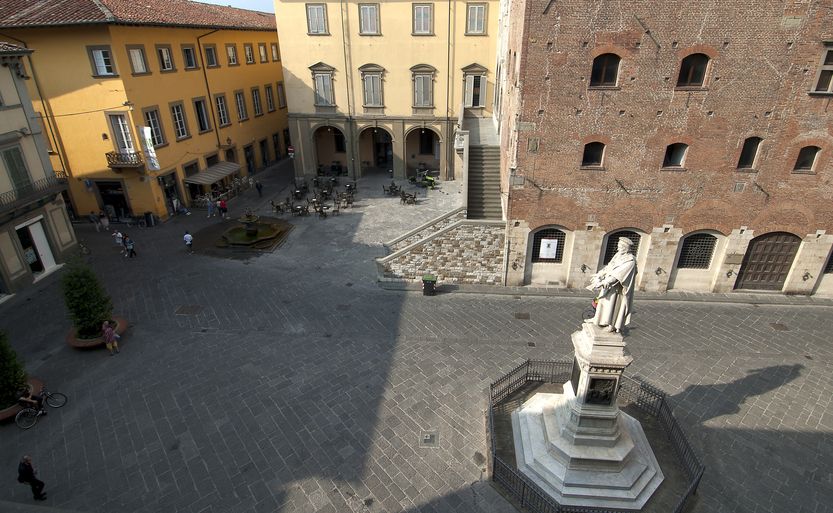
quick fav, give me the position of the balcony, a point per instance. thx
(122, 160)
(32, 192)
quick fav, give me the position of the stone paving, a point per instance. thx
(293, 383)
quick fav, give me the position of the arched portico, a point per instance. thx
(330, 149)
(375, 150)
(423, 150)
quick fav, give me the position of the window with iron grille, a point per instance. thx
(828, 269)
(548, 237)
(697, 251)
(613, 241)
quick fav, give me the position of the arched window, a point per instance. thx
(605, 70)
(806, 159)
(749, 153)
(693, 70)
(593, 154)
(697, 251)
(613, 241)
(548, 245)
(675, 155)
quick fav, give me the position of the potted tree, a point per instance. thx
(89, 306)
(12, 379)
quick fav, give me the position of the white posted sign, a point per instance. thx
(548, 249)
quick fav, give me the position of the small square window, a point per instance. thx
(476, 19)
(264, 55)
(137, 59)
(249, 52)
(806, 161)
(749, 153)
(276, 53)
(675, 155)
(824, 78)
(369, 19)
(101, 59)
(211, 56)
(231, 54)
(317, 19)
(189, 57)
(423, 20)
(166, 59)
(593, 154)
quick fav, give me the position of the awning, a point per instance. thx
(213, 173)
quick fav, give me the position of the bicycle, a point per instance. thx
(28, 417)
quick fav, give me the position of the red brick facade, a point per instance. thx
(762, 65)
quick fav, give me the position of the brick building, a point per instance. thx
(699, 130)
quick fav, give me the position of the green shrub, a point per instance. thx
(89, 306)
(12, 373)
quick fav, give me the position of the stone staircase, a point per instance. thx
(484, 183)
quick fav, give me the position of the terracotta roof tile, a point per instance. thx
(183, 13)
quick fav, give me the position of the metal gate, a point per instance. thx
(767, 261)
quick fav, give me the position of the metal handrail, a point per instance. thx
(31, 191)
(128, 158)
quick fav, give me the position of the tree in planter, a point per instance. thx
(12, 373)
(89, 306)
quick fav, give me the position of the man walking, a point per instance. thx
(259, 187)
(189, 241)
(26, 474)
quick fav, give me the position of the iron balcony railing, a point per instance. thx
(31, 192)
(117, 159)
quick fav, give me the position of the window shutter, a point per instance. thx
(100, 66)
(469, 90)
(419, 92)
(136, 59)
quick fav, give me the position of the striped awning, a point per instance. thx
(213, 173)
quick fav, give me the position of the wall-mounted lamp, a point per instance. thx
(375, 126)
(129, 105)
(423, 127)
(583, 268)
(806, 276)
(729, 273)
(228, 141)
(659, 271)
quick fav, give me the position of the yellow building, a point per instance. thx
(379, 86)
(153, 104)
(35, 232)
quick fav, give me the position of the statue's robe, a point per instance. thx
(614, 306)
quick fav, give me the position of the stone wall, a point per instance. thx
(426, 230)
(467, 251)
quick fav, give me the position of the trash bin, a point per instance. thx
(149, 219)
(429, 282)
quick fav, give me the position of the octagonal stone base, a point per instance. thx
(623, 474)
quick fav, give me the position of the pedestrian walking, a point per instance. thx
(223, 208)
(189, 241)
(118, 237)
(94, 218)
(210, 207)
(26, 474)
(111, 338)
(129, 247)
(259, 187)
(104, 220)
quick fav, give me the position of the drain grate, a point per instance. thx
(522, 315)
(429, 439)
(777, 326)
(188, 310)
(531, 344)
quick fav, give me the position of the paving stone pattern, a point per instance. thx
(291, 382)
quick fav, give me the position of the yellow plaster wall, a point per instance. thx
(80, 102)
(396, 50)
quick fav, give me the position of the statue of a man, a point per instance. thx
(615, 283)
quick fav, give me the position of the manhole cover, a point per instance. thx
(777, 326)
(429, 439)
(531, 344)
(188, 310)
(522, 315)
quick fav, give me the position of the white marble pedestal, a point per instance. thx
(578, 446)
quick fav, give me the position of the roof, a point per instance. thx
(8, 48)
(213, 173)
(179, 13)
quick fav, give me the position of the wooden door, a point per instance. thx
(767, 261)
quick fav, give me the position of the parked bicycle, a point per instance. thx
(28, 417)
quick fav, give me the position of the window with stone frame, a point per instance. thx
(824, 76)
(693, 70)
(240, 102)
(202, 115)
(548, 237)
(322, 79)
(166, 58)
(231, 54)
(138, 61)
(613, 242)
(264, 54)
(605, 71)
(422, 76)
(593, 155)
(211, 56)
(675, 155)
(189, 57)
(806, 160)
(281, 96)
(157, 135)
(423, 15)
(258, 108)
(749, 153)
(178, 118)
(270, 98)
(372, 85)
(474, 78)
(317, 19)
(276, 52)
(369, 20)
(249, 53)
(696, 251)
(101, 58)
(222, 110)
(476, 19)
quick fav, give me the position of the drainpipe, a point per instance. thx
(348, 74)
(210, 102)
(449, 162)
(49, 117)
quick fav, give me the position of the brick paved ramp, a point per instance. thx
(291, 382)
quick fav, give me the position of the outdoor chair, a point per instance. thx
(336, 207)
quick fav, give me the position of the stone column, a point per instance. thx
(399, 150)
(736, 244)
(587, 247)
(517, 232)
(659, 261)
(808, 264)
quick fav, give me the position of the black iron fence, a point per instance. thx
(642, 395)
(31, 191)
(124, 159)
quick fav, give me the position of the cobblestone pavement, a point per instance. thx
(292, 383)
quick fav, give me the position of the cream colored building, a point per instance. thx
(35, 232)
(373, 87)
